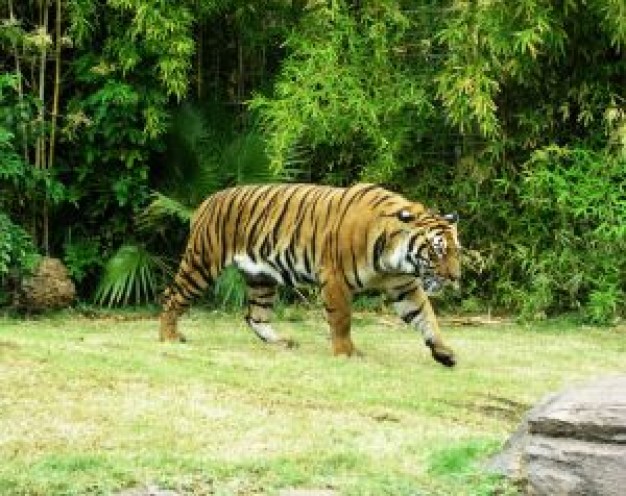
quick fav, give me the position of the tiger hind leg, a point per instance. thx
(190, 281)
(168, 330)
(261, 297)
(172, 310)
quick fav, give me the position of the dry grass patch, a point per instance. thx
(94, 406)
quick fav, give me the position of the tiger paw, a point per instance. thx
(357, 353)
(443, 355)
(174, 337)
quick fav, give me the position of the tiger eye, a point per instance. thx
(406, 216)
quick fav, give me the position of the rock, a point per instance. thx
(571, 443)
(49, 287)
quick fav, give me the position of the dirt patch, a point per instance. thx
(147, 491)
(493, 406)
(500, 407)
(308, 492)
(9, 345)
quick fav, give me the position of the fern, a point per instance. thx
(163, 207)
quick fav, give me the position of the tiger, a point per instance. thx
(344, 240)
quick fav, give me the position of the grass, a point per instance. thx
(94, 406)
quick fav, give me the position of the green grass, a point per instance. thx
(93, 406)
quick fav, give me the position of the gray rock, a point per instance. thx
(566, 466)
(571, 443)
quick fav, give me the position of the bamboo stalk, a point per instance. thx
(240, 82)
(200, 61)
(40, 148)
(41, 140)
(20, 86)
(57, 85)
(53, 121)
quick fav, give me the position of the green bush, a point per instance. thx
(83, 258)
(574, 221)
(17, 252)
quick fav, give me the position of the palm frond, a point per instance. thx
(193, 148)
(130, 274)
(246, 160)
(163, 207)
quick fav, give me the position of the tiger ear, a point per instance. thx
(452, 218)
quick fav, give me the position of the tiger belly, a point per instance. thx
(259, 268)
(288, 276)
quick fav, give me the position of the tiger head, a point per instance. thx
(419, 242)
(444, 256)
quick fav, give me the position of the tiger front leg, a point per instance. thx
(413, 306)
(337, 299)
(261, 298)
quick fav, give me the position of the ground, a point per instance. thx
(99, 406)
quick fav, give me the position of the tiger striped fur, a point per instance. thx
(345, 240)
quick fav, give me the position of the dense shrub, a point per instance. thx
(17, 254)
(573, 224)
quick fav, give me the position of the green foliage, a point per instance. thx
(459, 458)
(82, 257)
(114, 146)
(12, 169)
(161, 208)
(511, 113)
(17, 251)
(11, 164)
(230, 289)
(206, 153)
(550, 236)
(487, 45)
(244, 161)
(460, 463)
(344, 87)
(575, 223)
(130, 275)
(161, 32)
(21, 185)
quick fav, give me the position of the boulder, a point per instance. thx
(571, 443)
(49, 287)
